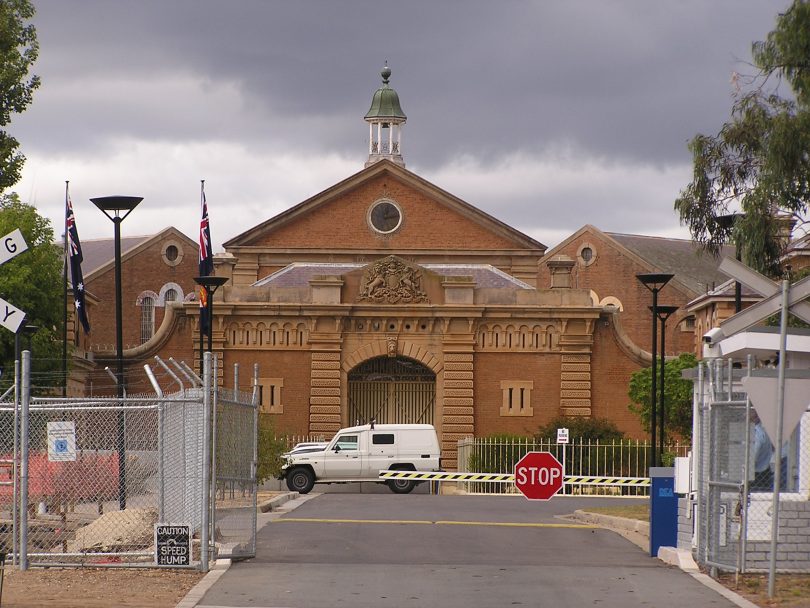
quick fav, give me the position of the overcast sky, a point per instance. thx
(547, 115)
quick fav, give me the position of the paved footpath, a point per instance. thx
(371, 551)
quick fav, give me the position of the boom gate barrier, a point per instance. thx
(440, 476)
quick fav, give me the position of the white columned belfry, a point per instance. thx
(385, 119)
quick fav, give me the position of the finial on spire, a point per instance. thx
(386, 73)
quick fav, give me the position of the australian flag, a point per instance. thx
(75, 259)
(206, 261)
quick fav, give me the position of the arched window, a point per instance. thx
(170, 292)
(147, 318)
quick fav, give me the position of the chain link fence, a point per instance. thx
(735, 476)
(113, 481)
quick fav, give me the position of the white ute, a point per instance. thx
(359, 453)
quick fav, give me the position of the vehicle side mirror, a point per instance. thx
(337, 449)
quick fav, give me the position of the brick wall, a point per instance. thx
(143, 271)
(425, 224)
(613, 273)
(291, 366)
(611, 369)
(793, 541)
(491, 368)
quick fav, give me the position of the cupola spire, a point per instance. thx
(385, 119)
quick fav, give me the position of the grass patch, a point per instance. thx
(635, 511)
(792, 590)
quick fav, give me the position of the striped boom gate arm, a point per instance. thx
(386, 475)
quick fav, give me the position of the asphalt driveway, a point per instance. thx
(377, 550)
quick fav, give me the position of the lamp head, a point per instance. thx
(663, 312)
(211, 282)
(116, 204)
(654, 281)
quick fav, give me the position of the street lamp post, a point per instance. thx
(117, 208)
(664, 312)
(654, 281)
(210, 283)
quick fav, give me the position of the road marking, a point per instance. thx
(433, 523)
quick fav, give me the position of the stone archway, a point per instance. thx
(391, 390)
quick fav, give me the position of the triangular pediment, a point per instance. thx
(99, 254)
(427, 218)
(665, 248)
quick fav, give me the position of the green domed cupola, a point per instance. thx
(385, 118)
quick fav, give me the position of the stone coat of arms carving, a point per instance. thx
(392, 281)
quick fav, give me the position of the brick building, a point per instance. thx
(386, 297)
(157, 272)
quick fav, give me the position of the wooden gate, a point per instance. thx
(391, 390)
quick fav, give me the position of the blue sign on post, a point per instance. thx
(663, 509)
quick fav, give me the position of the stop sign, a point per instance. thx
(538, 475)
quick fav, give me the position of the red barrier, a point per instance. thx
(91, 476)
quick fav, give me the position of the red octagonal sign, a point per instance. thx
(539, 475)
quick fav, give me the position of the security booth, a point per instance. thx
(738, 475)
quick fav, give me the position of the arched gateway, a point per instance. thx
(392, 390)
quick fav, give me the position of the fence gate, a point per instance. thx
(92, 477)
(235, 462)
(392, 390)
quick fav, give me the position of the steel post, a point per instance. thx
(25, 401)
(780, 408)
(206, 473)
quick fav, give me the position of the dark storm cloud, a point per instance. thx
(546, 114)
(622, 79)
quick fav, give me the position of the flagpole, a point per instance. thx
(202, 343)
(65, 298)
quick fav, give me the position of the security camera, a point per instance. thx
(713, 336)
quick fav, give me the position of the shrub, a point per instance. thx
(593, 429)
(498, 453)
(270, 449)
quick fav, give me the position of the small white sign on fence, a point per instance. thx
(62, 441)
(562, 436)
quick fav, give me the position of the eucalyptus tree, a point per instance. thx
(756, 169)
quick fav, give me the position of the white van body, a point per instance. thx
(359, 453)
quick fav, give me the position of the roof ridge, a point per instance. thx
(649, 236)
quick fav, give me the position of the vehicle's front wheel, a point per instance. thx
(401, 486)
(300, 480)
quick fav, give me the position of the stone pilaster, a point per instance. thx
(324, 393)
(458, 419)
(575, 385)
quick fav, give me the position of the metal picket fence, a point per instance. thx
(581, 457)
(90, 478)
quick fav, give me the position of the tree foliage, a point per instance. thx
(677, 395)
(759, 162)
(18, 51)
(33, 282)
